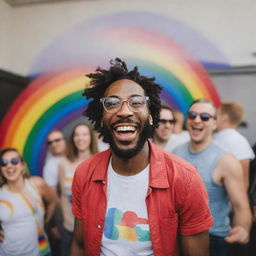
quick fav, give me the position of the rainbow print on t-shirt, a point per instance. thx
(8, 205)
(125, 225)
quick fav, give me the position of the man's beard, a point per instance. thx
(128, 153)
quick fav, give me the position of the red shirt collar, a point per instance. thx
(157, 172)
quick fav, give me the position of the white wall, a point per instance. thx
(26, 31)
(242, 89)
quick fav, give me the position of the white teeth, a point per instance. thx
(125, 128)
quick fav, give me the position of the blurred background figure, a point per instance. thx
(102, 146)
(179, 126)
(56, 145)
(83, 144)
(163, 135)
(22, 211)
(229, 116)
(57, 149)
(223, 177)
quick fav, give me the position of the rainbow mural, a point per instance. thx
(54, 97)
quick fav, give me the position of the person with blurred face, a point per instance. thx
(82, 146)
(56, 144)
(230, 115)
(223, 178)
(26, 207)
(134, 198)
(163, 135)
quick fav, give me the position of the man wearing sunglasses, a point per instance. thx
(134, 199)
(56, 145)
(223, 178)
(163, 134)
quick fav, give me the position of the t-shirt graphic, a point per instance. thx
(126, 225)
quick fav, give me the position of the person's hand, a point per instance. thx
(237, 234)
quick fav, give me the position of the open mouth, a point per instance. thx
(10, 173)
(125, 132)
(197, 129)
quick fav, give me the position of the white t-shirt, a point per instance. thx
(235, 143)
(19, 223)
(51, 170)
(126, 230)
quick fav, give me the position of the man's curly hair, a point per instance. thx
(102, 79)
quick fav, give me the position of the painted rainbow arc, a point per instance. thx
(55, 98)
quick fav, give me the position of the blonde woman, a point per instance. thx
(22, 208)
(83, 144)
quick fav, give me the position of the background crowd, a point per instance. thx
(40, 208)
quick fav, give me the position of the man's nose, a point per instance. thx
(124, 109)
(198, 119)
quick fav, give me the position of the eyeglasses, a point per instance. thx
(204, 116)
(13, 161)
(165, 121)
(135, 103)
(50, 142)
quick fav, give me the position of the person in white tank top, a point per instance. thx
(22, 211)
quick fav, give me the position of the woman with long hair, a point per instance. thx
(82, 145)
(23, 214)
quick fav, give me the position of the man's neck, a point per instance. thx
(196, 147)
(134, 165)
(160, 143)
(225, 126)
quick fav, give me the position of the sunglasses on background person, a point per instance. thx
(203, 116)
(13, 161)
(165, 121)
(50, 142)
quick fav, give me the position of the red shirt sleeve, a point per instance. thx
(76, 195)
(195, 216)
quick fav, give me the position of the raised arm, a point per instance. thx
(232, 176)
(77, 246)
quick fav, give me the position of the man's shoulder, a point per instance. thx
(178, 163)
(53, 160)
(228, 135)
(177, 166)
(181, 148)
(88, 166)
